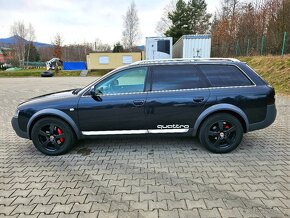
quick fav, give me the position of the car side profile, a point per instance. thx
(217, 100)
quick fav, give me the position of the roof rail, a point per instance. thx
(185, 60)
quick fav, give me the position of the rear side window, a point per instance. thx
(224, 75)
(174, 77)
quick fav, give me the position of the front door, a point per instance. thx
(177, 97)
(119, 108)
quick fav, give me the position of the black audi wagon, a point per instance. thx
(217, 100)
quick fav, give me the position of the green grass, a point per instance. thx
(37, 72)
(274, 69)
(30, 72)
(99, 72)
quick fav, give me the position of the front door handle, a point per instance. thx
(138, 103)
(198, 99)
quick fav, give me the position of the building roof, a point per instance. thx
(200, 36)
(3, 49)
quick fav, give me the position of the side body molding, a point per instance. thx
(56, 113)
(216, 108)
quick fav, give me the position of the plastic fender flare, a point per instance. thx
(220, 107)
(57, 113)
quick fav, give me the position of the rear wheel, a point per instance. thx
(52, 136)
(221, 133)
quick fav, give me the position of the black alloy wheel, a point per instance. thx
(221, 133)
(52, 136)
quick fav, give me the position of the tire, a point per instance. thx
(52, 136)
(221, 133)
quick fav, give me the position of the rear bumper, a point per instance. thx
(16, 128)
(270, 118)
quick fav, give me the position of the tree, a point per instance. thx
(23, 36)
(57, 46)
(118, 48)
(19, 31)
(99, 46)
(30, 39)
(198, 16)
(180, 21)
(31, 53)
(131, 33)
(278, 24)
(164, 23)
(76, 52)
(244, 34)
(188, 18)
(45, 53)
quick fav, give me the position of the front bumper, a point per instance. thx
(16, 128)
(270, 118)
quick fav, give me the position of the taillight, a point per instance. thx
(271, 95)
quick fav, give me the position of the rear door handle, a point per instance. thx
(198, 99)
(138, 103)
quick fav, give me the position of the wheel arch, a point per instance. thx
(52, 113)
(222, 108)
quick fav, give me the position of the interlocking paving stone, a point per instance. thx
(141, 176)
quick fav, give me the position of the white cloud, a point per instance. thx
(79, 21)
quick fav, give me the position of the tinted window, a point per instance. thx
(127, 81)
(176, 77)
(224, 75)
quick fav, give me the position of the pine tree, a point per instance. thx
(118, 48)
(180, 21)
(31, 52)
(188, 18)
(199, 18)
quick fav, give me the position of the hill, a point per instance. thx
(274, 69)
(11, 40)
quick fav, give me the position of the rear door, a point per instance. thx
(177, 97)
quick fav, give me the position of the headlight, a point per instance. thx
(16, 113)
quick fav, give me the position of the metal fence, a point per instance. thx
(264, 45)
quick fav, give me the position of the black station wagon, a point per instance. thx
(217, 100)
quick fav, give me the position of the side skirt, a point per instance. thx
(131, 132)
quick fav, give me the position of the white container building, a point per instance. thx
(192, 46)
(158, 48)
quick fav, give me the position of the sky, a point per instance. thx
(80, 21)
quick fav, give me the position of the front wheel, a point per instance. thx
(52, 136)
(221, 133)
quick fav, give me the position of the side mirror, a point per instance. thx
(95, 93)
(92, 91)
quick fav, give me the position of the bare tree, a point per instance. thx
(19, 31)
(164, 23)
(131, 33)
(45, 53)
(100, 46)
(30, 39)
(76, 52)
(245, 27)
(57, 46)
(24, 37)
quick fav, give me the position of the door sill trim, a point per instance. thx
(131, 132)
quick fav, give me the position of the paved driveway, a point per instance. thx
(141, 176)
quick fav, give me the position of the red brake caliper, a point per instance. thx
(60, 132)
